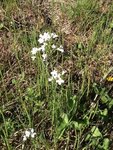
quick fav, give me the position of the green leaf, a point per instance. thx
(65, 118)
(78, 126)
(95, 132)
(1, 25)
(106, 144)
(88, 137)
(96, 89)
(14, 81)
(111, 25)
(80, 46)
(104, 112)
(63, 125)
(104, 99)
(71, 102)
(110, 104)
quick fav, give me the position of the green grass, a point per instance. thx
(76, 115)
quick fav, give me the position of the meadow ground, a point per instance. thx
(56, 75)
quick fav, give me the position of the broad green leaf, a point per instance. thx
(88, 137)
(65, 118)
(95, 132)
(63, 125)
(106, 144)
(104, 112)
(78, 126)
(110, 104)
(80, 46)
(111, 25)
(104, 99)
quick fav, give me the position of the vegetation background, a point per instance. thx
(76, 115)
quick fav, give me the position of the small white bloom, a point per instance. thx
(54, 74)
(46, 36)
(45, 44)
(40, 35)
(60, 49)
(44, 56)
(24, 138)
(63, 72)
(41, 40)
(42, 48)
(53, 46)
(50, 79)
(27, 133)
(54, 35)
(60, 81)
(31, 130)
(34, 50)
(33, 135)
(58, 75)
(33, 57)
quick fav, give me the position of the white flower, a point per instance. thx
(33, 135)
(45, 44)
(31, 130)
(46, 36)
(57, 77)
(24, 138)
(54, 35)
(59, 81)
(41, 40)
(40, 35)
(34, 50)
(54, 74)
(44, 56)
(60, 49)
(63, 72)
(50, 79)
(43, 47)
(53, 46)
(29, 133)
(33, 57)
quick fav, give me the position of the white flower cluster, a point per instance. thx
(57, 77)
(29, 133)
(43, 39)
(46, 37)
